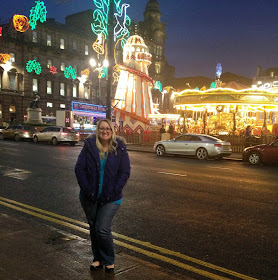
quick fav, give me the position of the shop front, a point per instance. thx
(85, 116)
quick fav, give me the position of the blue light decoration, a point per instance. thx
(70, 71)
(37, 13)
(218, 70)
(100, 15)
(158, 85)
(103, 72)
(213, 85)
(33, 65)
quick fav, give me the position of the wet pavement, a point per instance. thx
(31, 250)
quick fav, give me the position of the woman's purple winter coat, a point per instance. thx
(116, 172)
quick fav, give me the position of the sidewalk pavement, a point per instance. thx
(31, 250)
(149, 149)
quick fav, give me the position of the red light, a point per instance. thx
(25, 131)
(217, 145)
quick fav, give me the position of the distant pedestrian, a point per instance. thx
(171, 130)
(102, 170)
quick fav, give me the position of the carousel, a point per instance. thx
(228, 111)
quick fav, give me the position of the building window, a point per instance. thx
(62, 89)
(49, 104)
(49, 63)
(74, 45)
(12, 59)
(1, 114)
(272, 74)
(74, 90)
(157, 68)
(63, 106)
(86, 95)
(35, 85)
(62, 44)
(86, 50)
(63, 66)
(49, 87)
(48, 40)
(34, 37)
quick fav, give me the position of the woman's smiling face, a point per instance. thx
(105, 132)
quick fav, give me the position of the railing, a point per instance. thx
(238, 143)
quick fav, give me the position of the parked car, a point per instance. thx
(200, 145)
(57, 134)
(18, 132)
(261, 153)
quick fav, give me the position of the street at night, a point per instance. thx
(223, 214)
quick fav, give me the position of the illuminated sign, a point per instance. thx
(88, 108)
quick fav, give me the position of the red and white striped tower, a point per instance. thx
(133, 99)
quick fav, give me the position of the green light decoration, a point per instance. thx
(213, 85)
(196, 88)
(70, 71)
(104, 72)
(33, 65)
(158, 85)
(37, 13)
(100, 16)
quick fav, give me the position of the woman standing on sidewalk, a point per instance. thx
(102, 170)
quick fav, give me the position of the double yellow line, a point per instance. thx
(83, 227)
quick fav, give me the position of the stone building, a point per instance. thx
(50, 44)
(267, 79)
(152, 30)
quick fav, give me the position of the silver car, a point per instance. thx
(200, 145)
(18, 132)
(57, 134)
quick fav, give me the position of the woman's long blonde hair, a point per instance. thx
(112, 142)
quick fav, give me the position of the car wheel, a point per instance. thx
(54, 141)
(160, 150)
(1, 136)
(202, 153)
(17, 137)
(254, 158)
(36, 140)
(72, 143)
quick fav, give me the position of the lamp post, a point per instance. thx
(110, 56)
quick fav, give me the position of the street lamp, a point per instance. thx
(99, 68)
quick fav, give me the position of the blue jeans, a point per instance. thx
(99, 217)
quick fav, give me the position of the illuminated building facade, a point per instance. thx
(61, 50)
(267, 79)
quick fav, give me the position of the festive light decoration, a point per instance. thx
(120, 29)
(218, 70)
(21, 23)
(103, 72)
(4, 57)
(98, 45)
(213, 85)
(53, 69)
(158, 85)
(85, 72)
(33, 65)
(116, 73)
(100, 15)
(1, 32)
(69, 71)
(37, 13)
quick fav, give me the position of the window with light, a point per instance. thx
(49, 87)
(35, 85)
(62, 89)
(62, 44)
(48, 40)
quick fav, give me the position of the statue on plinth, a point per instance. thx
(34, 104)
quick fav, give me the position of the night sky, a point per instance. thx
(240, 34)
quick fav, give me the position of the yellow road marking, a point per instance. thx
(128, 246)
(167, 173)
